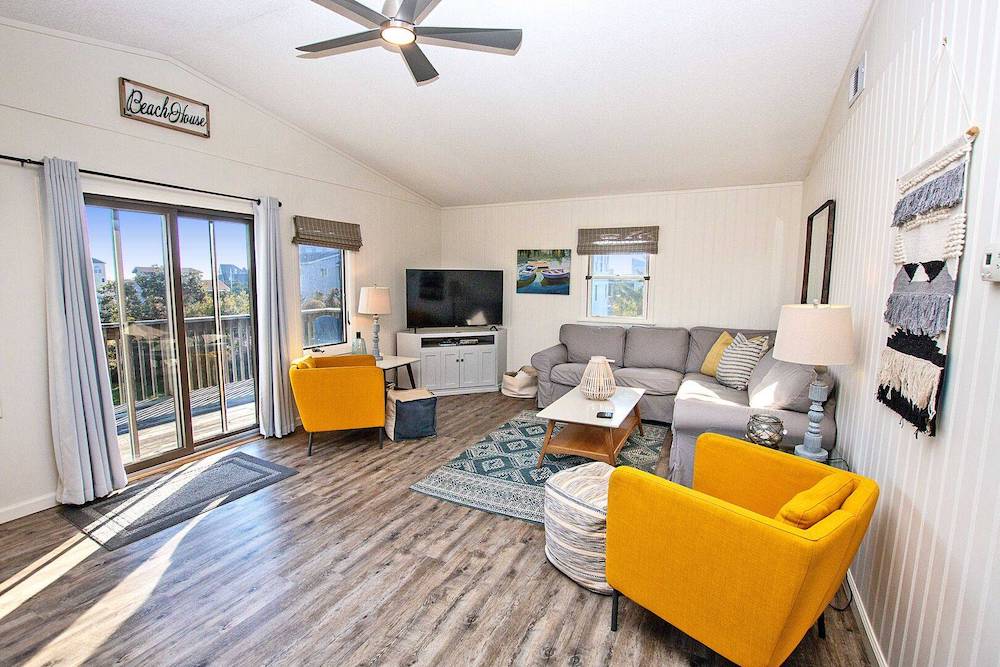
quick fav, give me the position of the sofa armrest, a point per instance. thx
(702, 564)
(551, 356)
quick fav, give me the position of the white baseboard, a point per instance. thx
(861, 614)
(38, 504)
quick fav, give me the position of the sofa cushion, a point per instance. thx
(698, 387)
(584, 341)
(656, 381)
(809, 507)
(568, 374)
(711, 364)
(702, 339)
(656, 347)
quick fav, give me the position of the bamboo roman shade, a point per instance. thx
(327, 233)
(617, 240)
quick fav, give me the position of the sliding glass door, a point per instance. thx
(165, 275)
(130, 255)
(218, 323)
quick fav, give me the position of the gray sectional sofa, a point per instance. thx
(666, 362)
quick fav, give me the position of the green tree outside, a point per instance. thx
(145, 297)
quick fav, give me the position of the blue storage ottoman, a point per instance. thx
(410, 413)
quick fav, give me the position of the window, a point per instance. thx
(618, 286)
(321, 293)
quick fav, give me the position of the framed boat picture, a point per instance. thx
(543, 271)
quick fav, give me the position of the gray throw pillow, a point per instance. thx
(784, 386)
(760, 370)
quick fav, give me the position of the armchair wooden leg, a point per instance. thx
(821, 626)
(310, 445)
(380, 436)
(614, 610)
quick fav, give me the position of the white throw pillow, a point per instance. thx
(739, 360)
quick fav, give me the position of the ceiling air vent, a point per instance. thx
(857, 80)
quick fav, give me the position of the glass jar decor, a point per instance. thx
(765, 430)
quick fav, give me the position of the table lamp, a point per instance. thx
(818, 335)
(374, 301)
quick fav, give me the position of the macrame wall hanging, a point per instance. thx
(929, 222)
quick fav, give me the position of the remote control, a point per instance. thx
(604, 414)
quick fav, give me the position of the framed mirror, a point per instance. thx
(819, 253)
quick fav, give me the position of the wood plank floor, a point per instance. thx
(340, 564)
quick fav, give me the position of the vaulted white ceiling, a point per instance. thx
(603, 97)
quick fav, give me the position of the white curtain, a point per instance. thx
(276, 417)
(80, 403)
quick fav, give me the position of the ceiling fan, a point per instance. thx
(397, 26)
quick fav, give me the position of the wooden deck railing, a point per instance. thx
(150, 348)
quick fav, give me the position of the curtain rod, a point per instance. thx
(130, 179)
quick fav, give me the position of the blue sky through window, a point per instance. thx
(142, 241)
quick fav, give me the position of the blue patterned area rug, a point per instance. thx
(498, 473)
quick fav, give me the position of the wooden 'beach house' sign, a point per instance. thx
(158, 107)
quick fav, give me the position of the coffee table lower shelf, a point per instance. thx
(593, 442)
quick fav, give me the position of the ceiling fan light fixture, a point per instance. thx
(396, 25)
(399, 33)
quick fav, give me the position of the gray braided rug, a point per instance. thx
(149, 507)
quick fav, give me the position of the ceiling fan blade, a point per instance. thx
(498, 39)
(329, 47)
(355, 11)
(414, 11)
(421, 68)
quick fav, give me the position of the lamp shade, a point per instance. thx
(815, 334)
(374, 301)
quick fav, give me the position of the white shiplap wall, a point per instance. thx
(927, 574)
(728, 256)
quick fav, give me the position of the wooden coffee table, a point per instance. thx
(587, 435)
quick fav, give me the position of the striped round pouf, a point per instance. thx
(576, 520)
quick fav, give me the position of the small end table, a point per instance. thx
(394, 362)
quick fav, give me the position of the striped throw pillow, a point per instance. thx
(738, 361)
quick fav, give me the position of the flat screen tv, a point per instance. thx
(453, 298)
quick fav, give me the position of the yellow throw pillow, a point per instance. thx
(711, 363)
(811, 506)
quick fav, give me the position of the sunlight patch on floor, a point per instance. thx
(43, 572)
(93, 627)
(46, 570)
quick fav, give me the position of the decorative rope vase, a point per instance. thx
(765, 430)
(598, 382)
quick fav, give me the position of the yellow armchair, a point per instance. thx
(338, 393)
(714, 561)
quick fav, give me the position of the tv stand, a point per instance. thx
(456, 361)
